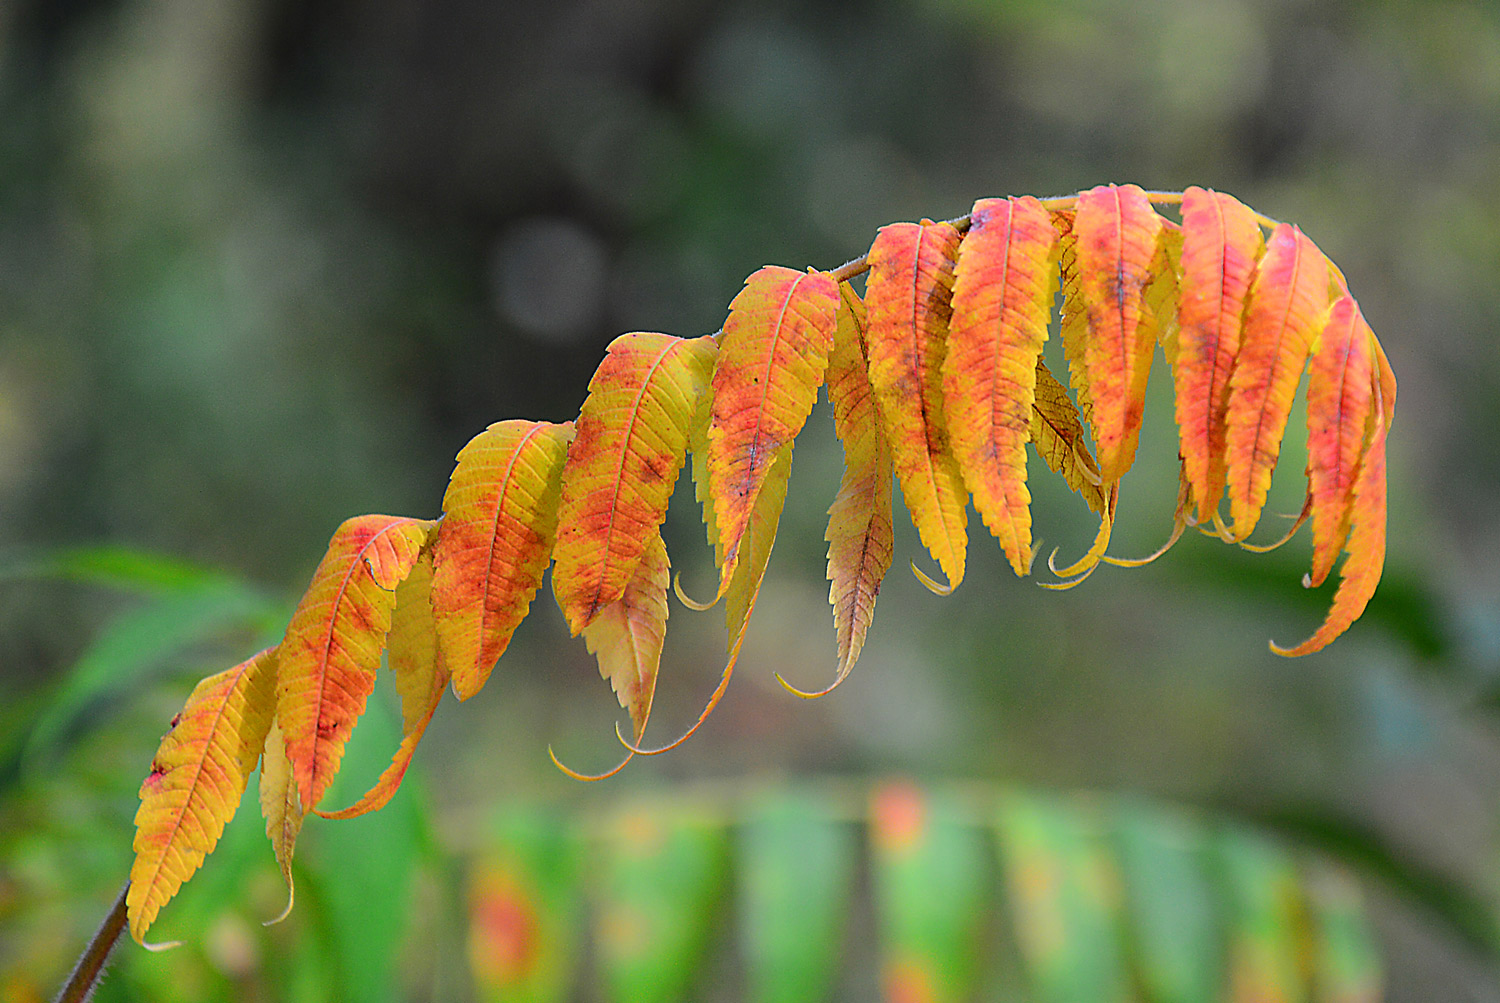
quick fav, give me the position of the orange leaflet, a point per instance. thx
(1057, 432)
(1002, 302)
(1339, 402)
(494, 543)
(421, 677)
(1115, 235)
(333, 643)
(1366, 547)
(772, 357)
(1286, 307)
(197, 777)
(631, 439)
(1221, 242)
(860, 531)
(281, 810)
(908, 297)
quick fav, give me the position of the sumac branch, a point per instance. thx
(936, 378)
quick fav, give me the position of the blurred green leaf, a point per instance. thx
(1174, 932)
(143, 641)
(796, 868)
(1064, 895)
(660, 890)
(364, 866)
(932, 893)
(1345, 960)
(1263, 904)
(118, 567)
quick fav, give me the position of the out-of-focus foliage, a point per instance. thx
(265, 265)
(1038, 896)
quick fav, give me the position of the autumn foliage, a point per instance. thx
(936, 378)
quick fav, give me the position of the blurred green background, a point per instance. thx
(267, 264)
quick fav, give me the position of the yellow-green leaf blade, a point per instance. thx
(1060, 440)
(494, 543)
(861, 528)
(197, 778)
(280, 807)
(627, 635)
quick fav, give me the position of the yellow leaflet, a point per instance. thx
(494, 543)
(197, 777)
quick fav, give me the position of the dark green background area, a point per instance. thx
(268, 264)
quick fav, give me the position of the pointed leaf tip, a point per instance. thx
(1366, 549)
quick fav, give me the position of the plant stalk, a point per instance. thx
(90, 967)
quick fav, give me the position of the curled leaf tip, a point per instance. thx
(291, 895)
(589, 778)
(1178, 527)
(713, 701)
(1088, 561)
(166, 945)
(688, 600)
(813, 695)
(932, 585)
(1265, 548)
(1224, 533)
(1063, 586)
